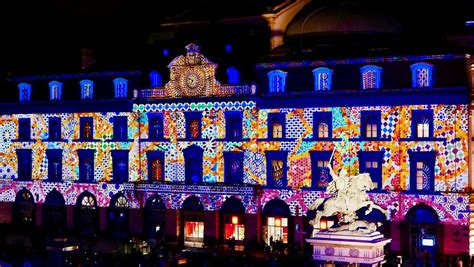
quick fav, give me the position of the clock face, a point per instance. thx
(192, 80)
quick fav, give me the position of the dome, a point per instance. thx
(340, 17)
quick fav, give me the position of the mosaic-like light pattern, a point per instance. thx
(450, 141)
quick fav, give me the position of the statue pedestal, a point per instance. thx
(349, 247)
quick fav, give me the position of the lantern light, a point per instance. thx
(235, 220)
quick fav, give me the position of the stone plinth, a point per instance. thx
(366, 249)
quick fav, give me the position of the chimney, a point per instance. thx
(87, 58)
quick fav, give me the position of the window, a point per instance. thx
(371, 76)
(233, 129)
(193, 125)
(370, 124)
(55, 90)
(371, 163)
(233, 167)
(422, 123)
(24, 157)
(54, 128)
(319, 169)
(234, 229)
(120, 166)
(55, 158)
(155, 126)
(24, 90)
(194, 230)
(277, 228)
(24, 129)
(86, 128)
(193, 164)
(156, 167)
(276, 125)
(121, 87)
(86, 165)
(120, 128)
(118, 214)
(86, 213)
(233, 75)
(422, 170)
(276, 168)
(322, 79)
(422, 75)
(87, 89)
(322, 125)
(276, 81)
(155, 79)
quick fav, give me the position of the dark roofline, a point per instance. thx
(362, 60)
(74, 76)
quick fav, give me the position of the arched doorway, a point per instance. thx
(24, 208)
(155, 217)
(54, 211)
(233, 218)
(86, 214)
(421, 231)
(118, 215)
(192, 222)
(277, 221)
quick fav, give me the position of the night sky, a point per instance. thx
(54, 31)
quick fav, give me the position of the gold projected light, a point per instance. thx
(192, 75)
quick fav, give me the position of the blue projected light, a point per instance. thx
(371, 77)
(155, 79)
(276, 81)
(422, 75)
(233, 75)
(121, 87)
(55, 90)
(24, 91)
(322, 79)
(87, 89)
(166, 52)
(228, 48)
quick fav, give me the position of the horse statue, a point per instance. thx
(351, 195)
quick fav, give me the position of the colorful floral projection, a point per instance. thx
(450, 141)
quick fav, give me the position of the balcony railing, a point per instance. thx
(221, 90)
(208, 188)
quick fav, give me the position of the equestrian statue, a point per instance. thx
(349, 194)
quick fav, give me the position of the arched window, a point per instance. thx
(87, 89)
(155, 216)
(322, 79)
(118, 215)
(54, 211)
(371, 76)
(86, 213)
(55, 90)
(24, 208)
(233, 214)
(24, 90)
(422, 75)
(233, 75)
(277, 215)
(155, 79)
(193, 221)
(276, 81)
(121, 87)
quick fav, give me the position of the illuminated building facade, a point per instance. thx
(195, 158)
